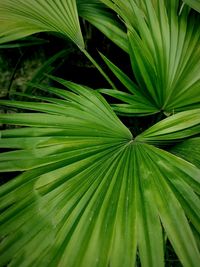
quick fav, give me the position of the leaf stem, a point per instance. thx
(98, 67)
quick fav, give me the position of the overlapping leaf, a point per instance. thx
(167, 69)
(164, 51)
(89, 194)
(20, 18)
(173, 129)
(189, 150)
(98, 15)
(194, 4)
(135, 103)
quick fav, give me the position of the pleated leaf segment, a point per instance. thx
(20, 18)
(194, 4)
(88, 193)
(164, 44)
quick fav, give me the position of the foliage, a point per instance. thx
(21, 18)
(90, 191)
(194, 4)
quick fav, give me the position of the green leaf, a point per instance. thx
(28, 41)
(150, 246)
(89, 194)
(20, 18)
(139, 104)
(136, 105)
(194, 4)
(164, 51)
(188, 150)
(171, 215)
(123, 78)
(101, 17)
(48, 67)
(173, 128)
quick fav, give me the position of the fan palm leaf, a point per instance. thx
(189, 150)
(89, 194)
(164, 52)
(167, 70)
(100, 16)
(174, 128)
(86, 192)
(20, 18)
(194, 4)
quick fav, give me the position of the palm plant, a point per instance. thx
(90, 192)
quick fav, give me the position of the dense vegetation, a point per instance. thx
(100, 153)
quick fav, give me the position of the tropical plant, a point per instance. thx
(92, 192)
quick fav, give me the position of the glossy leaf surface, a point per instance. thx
(89, 194)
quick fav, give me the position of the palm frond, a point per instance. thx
(189, 150)
(164, 51)
(20, 18)
(89, 194)
(132, 104)
(100, 16)
(136, 103)
(24, 42)
(194, 4)
(174, 128)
